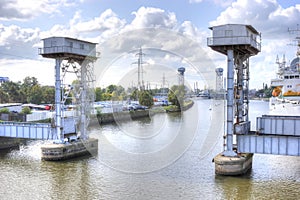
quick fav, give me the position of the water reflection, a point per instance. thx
(189, 176)
(146, 145)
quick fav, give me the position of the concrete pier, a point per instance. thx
(238, 165)
(64, 151)
(7, 143)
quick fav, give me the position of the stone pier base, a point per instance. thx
(57, 152)
(7, 143)
(236, 165)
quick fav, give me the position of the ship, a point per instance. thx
(285, 98)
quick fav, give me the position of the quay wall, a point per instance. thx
(6, 142)
(105, 118)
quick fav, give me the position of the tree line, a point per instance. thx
(31, 91)
(28, 91)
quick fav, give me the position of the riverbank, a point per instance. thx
(105, 118)
(186, 105)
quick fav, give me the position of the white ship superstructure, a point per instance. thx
(286, 93)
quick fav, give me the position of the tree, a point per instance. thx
(13, 91)
(48, 93)
(176, 95)
(98, 94)
(3, 96)
(35, 95)
(106, 96)
(26, 88)
(145, 98)
(4, 110)
(114, 96)
(26, 110)
(134, 95)
(111, 88)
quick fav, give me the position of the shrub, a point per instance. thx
(26, 110)
(4, 110)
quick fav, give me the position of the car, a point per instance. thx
(135, 106)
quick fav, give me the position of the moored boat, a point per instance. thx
(285, 98)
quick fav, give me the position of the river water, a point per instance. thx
(167, 156)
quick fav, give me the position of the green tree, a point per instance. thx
(48, 93)
(12, 89)
(134, 95)
(3, 96)
(35, 95)
(111, 88)
(26, 88)
(26, 110)
(114, 96)
(98, 94)
(4, 110)
(176, 95)
(145, 98)
(106, 96)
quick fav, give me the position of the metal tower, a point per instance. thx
(140, 62)
(76, 57)
(219, 80)
(238, 42)
(181, 71)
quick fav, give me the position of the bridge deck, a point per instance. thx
(40, 131)
(279, 135)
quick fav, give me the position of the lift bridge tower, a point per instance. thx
(238, 42)
(72, 56)
(219, 83)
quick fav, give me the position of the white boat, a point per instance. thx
(204, 94)
(286, 87)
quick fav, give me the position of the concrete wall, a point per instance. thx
(119, 116)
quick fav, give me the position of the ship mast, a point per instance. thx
(297, 38)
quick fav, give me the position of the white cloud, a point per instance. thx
(222, 3)
(118, 37)
(149, 17)
(17, 70)
(17, 42)
(267, 16)
(149, 29)
(273, 21)
(14, 34)
(107, 23)
(24, 10)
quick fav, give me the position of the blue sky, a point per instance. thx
(24, 23)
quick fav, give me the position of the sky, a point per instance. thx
(172, 34)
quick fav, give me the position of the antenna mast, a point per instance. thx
(297, 38)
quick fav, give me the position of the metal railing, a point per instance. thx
(233, 40)
(67, 49)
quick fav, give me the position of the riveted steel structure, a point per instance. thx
(77, 57)
(238, 42)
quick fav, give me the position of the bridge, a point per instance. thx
(36, 131)
(274, 134)
(278, 135)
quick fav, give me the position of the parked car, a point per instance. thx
(135, 106)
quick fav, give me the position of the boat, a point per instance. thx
(204, 94)
(285, 98)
